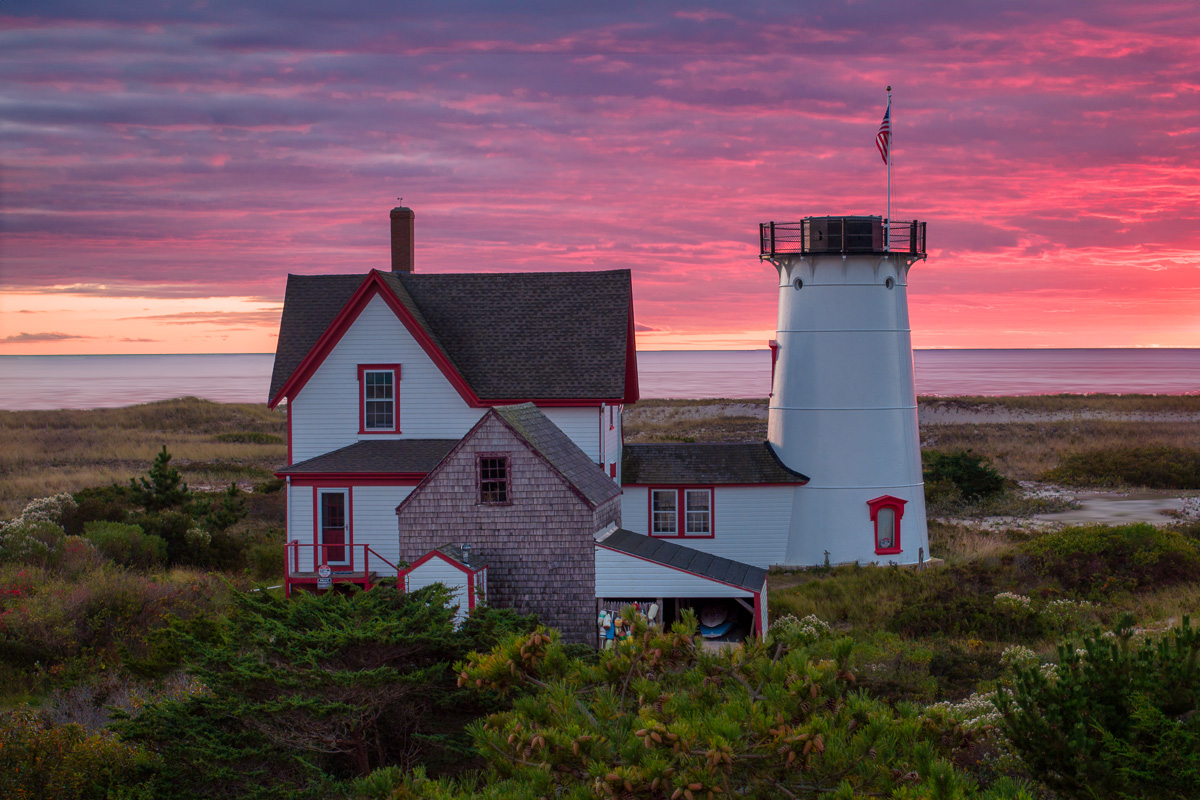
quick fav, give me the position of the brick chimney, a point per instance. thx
(402, 239)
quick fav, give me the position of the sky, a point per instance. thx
(165, 164)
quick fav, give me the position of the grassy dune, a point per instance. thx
(1022, 450)
(45, 452)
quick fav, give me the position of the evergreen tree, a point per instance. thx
(660, 717)
(165, 487)
(228, 512)
(306, 691)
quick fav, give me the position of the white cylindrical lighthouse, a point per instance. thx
(843, 402)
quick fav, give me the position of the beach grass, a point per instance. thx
(212, 444)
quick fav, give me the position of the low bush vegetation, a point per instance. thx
(1160, 467)
(1098, 560)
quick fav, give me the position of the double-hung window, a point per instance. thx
(495, 487)
(378, 393)
(679, 512)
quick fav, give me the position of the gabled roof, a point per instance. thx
(400, 456)
(498, 336)
(548, 440)
(686, 559)
(471, 560)
(585, 478)
(704, 463)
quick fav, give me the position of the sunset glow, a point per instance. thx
(165, 169)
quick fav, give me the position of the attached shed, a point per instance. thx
(463, 572)
(631, 565)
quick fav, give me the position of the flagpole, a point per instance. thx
(887, 226)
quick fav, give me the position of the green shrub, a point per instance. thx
(266, 561)
(101, 504)
(1118, 720)
(971, 475)
(64, 762)
(1160, 467)
(126, 544)
(269, 486)
(1098, 559)
(248, 437)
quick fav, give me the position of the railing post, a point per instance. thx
(912, 238)
(772, 239)
(366, 568)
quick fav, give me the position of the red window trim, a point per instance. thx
(362, 399)
(681, 512)
(479, 457)
(317, 551)
(774, 345)
(897, 505)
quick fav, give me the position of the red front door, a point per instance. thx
(334, 531)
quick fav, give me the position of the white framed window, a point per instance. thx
(378, 391)
(681, 512)
(698, 506)
(664, 512)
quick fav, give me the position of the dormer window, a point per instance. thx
(886, 512)
(377, 394)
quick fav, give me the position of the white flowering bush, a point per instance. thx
(33, 537)
(1018, 655)
(1065, 615)
(807, 630)
(1013, 602)
(49, 509)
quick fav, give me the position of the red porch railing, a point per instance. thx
(348, 572)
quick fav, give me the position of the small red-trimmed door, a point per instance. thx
(333, 529)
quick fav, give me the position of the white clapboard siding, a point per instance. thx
(750, 523)
(612, 440)
(375, 522)
(437, 570)
(325, 413)
(622, 575)
(301, 501)
(580, 424)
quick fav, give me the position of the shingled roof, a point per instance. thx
(511, 336)
(679, 557)
(408, 456)
(548, 440)
(704, 463)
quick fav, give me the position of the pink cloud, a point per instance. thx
(1054, 149)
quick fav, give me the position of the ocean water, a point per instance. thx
(46, 382)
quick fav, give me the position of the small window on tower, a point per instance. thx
(886, 513)
(493, 480)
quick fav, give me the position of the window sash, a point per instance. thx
(665, 514)
(493, 479)
(379, 400)
(698, 506)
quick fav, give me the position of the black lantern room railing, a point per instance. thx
(872, 235)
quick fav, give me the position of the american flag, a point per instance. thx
(884, 137)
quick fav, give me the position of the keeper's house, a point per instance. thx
(466, 428)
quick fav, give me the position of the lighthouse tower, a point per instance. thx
(843, 401)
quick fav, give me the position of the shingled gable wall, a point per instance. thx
(539, 549)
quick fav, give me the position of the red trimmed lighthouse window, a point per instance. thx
(886, 512)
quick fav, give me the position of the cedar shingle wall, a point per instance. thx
(539, 549)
